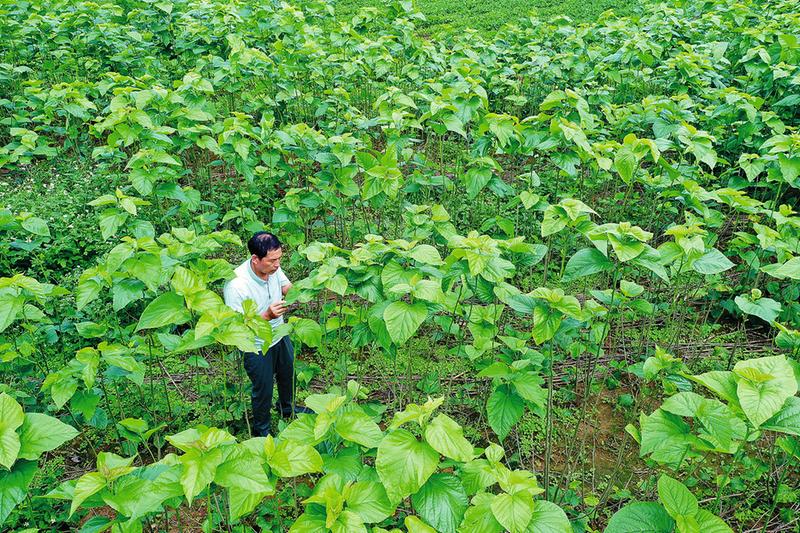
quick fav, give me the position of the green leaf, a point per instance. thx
(86, 292)
(763, 385)
(441, 502)
(126, 291)
(135, 497)
(37, 226)
(312, 521)
(721, 382)
(625, 162)
(641, 517)
(708, 522)
(479, 518)
(677, 499)
(548, 518)
(348, 522)
(404, 319)
(41, 433)
(356, 426)
(426, 254)
(235, 333)
(292, 459)
(110, 221)
(10, 306)
(90, 330)
(586, 262)
(11, 417)
(447, 437)
(369, 500)
(716, 418)
(476, 178)
(665, 436)
(504, 409)
(87, 485)
(166, 309)
(245, 472)
(198, 470)
(787, 420)
(513, 511)
(11, 414)
(14, 486)
(529, 386)
(545, 324)
(713, 262)
(415, 525)
(307, 331)
(243, 502)
(404, 464)
(766, 309)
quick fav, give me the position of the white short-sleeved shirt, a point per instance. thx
(246, 285)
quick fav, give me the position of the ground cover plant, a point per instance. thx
(545, 279)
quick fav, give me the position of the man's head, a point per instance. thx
(266, 252)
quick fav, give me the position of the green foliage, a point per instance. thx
(516, 205)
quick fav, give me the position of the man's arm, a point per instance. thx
(284, 281)
(233, 298)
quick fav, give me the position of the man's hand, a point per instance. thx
(275, 310)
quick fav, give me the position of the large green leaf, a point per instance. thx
(348, 522)
(37, 226)
(787, 420)
(292, 459)
(447, 437)
(10, 306)
(665, 436)
(369, 500)
(88, 484)
(14, 486)
(11, 417)
(312, 521)
(426, 254)
(766, 309)
(763, 385)
(504, 409)
(166, 309)
(586, 262)
(244, 471)
(712, 262)
(404, 319)
(307, 331)
(479, 517)
(198, 470)
(441, 502)
(641, 517)
(721, 382)
(135, 497)
(356, 426)
(548, 518)
(41, 433)
(677, 499)
(513, 511)
(404, 464)
(708, 522)
(242, 502)
(476, 178)
(720, 423)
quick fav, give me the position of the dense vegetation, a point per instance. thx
(545, 279)
(444, 16)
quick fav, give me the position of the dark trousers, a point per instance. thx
(279, 360)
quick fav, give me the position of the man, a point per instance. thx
(261, 279)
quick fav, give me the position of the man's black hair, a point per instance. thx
(262, 243)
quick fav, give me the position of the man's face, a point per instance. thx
(267, 265)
